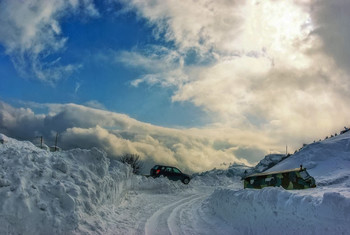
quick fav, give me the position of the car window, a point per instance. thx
(176, 170)
(168, 169)
(155, 167)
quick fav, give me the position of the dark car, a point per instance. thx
(172, 173)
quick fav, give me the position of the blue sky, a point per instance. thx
(98, 79)
(235, 79)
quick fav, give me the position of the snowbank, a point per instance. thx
(53, 193)
(277, 211)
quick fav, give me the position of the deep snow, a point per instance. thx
(44, 192)
(84, 192)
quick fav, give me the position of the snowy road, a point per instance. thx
(169, 219)
(152, 212)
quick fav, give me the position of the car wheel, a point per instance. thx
(186, 181)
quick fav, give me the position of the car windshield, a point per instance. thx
(176, 170)
(155, 167)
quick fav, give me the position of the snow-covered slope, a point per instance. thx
(269, 161)
(53, 193)
(328, 160)
(321, 210)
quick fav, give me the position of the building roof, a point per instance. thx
(276, 172)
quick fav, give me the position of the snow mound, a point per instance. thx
(276, 211)
(53, 193)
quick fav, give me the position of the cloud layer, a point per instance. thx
(83, 127)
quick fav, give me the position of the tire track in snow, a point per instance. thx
(158, 223)
(175, 223)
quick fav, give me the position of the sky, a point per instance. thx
(196, 83)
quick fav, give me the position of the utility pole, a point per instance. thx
(41, 141)
(56, 142)
(286, 150)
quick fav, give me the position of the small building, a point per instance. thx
(297, 178)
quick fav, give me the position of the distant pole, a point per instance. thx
(286, 150)
(41, 142)
(56, 142)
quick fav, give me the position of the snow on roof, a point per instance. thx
(275, 172)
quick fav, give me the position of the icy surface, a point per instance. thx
(83, 192)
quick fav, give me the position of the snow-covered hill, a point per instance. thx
(328, 161)
(268, 162)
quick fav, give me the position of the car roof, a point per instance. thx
(165, 166)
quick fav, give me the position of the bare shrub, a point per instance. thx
(133, 160)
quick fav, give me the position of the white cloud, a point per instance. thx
(161, 65)
(279, 67)
(227, 26)
(30, 32)
(95, 104)
(83, 127)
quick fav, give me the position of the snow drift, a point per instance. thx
(277, 211)
(53, 193)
